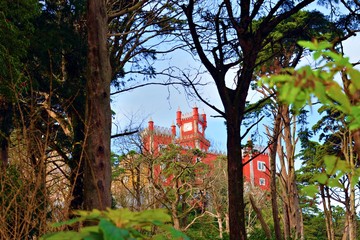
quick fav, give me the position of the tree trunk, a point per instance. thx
(351, 213)
(174, 213)
(176, 220)
(328, 214)
(220, 224)
(273, 148)
(293, 225)
(264, 226)
(235, 179)
(227, 228)
(138, 188)
(97, 169)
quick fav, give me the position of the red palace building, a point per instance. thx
(256, 167)
(192, 135)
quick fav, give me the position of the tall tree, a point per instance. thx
(97, 169)
(228, 36)
(16, 25)
(340, 167)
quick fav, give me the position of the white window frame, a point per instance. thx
(262, 181)
(261, 166)
(161, 147)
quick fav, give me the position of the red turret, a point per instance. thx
(195, 113)
(204, 119)
(151, 125)
(173, 130)
(178, 117)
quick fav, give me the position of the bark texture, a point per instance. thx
(274, 205)
(97, 169)
(293, 224)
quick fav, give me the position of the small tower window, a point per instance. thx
(261, 166)
(262, 182)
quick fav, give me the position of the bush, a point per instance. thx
(121, 224)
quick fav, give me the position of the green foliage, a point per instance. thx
(258, 233)
(180, 164)
(297, 87)
(335, 169)
(119, 224)
(205, 228)
(314, 227)
(16, 28)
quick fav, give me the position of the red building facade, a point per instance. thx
(191, 129)
(256, 168)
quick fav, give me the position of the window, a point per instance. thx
(261, 166)
(161, 147)
(262, 182)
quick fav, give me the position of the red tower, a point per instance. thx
(155, 137)
(192, 129)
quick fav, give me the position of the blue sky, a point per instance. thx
(161, 103)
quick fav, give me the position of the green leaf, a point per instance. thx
(310, 190)
(342, 166)
(321, 178)
(93, 236)
(68, 222)
(110, 231)
(70, 235)
(355, 179)
(355, 77)
(175, 234)
(89, 229)
(316, 55)
(324, 45)
(336, 57)
(335, 92)
(330, 163)
(158, 215)
(307, 44)
(94, 214)
(332, 182)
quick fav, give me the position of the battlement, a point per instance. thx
(157, 130)
(256, 149)
(186, 116)
(192, 136)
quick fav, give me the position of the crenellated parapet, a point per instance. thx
(158, 130)
(192, 137)
(191, 116)
(191, 129)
